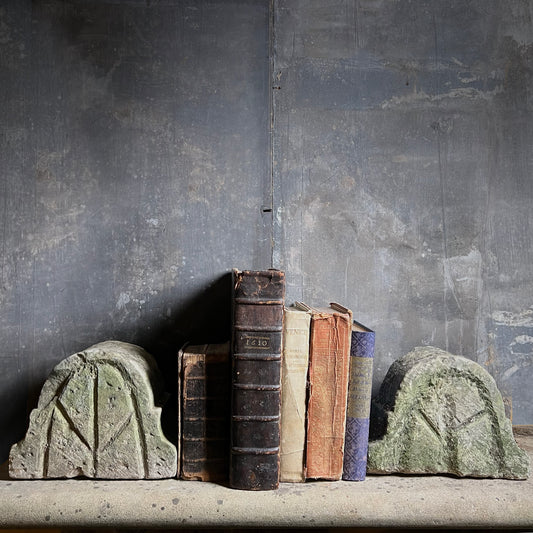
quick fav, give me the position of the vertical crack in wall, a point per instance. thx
(271, 48)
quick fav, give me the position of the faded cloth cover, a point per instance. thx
(358, 404)
(293, 393)
(256, 379)
(328, 386)
(205, 410)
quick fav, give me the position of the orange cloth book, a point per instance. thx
(329, 351)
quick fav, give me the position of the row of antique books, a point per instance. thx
(288, 399)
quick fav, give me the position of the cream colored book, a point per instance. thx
(293, 394)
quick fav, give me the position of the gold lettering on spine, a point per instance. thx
(256, 342)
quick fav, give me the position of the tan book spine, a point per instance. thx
(293, 394)
(328, 387)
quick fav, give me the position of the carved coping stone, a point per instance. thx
(97, 417)
(441, 413)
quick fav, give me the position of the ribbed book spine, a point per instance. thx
(256, 361)
(293, 394)
(358, 404)
(205, 412)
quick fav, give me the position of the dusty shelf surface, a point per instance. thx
(379, 501)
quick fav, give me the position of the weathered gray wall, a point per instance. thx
(403, 163)
(136, 171)
(135, 167)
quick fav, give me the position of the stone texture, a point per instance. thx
(441, 413)
(97, 417)
(380, 503)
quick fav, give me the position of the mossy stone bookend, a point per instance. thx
(438, 413)
(98, 416)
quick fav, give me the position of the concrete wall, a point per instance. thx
(137, 168)
(404, 174)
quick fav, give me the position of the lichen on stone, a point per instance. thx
(98, 416)
(438, 413)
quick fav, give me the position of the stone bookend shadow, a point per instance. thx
(438, 413)
(204, 318)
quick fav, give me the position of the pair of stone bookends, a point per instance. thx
(99, 413)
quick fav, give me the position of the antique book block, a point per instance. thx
(329, 348)
(358, 403)
(256, 368)
(98, 416)
(205, 408)
(293, 393)
(438, 413)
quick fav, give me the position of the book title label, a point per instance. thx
(256, 342)
(360, 387)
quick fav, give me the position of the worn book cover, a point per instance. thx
(358, 403)
(205, 409)
(329, 348)
(256, 379)
(293, 393)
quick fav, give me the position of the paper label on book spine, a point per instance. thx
(360, 387)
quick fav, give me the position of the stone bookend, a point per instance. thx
(96, 417)
(438, 413)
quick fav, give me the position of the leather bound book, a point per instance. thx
(256, 360)
(205, 408)
(293, 394)
(329, 348)
(358, 404)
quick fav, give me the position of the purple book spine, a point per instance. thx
(358, 407)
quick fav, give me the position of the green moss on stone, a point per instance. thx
(98, 416)
(442, 413)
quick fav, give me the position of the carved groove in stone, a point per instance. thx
(441, 413)
(97, 417)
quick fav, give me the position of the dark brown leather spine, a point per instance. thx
(256, 379)
(205, 412)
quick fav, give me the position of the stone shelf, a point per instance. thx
(379, 501)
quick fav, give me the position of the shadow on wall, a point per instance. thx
(203, 318)
(15, 405)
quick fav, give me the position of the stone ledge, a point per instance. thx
(380, 501)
